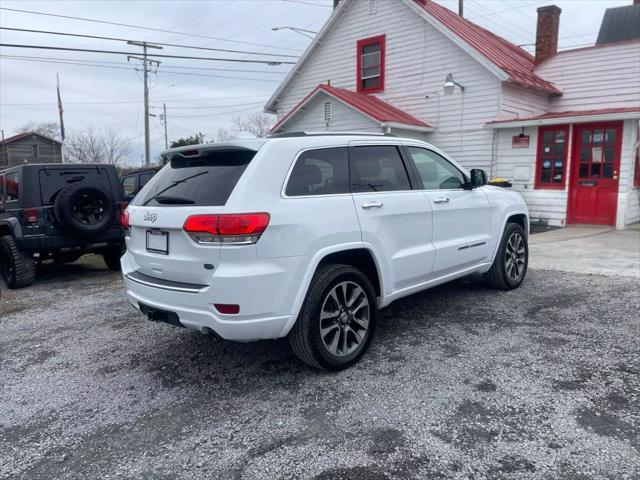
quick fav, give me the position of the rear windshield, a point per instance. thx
(207, 180)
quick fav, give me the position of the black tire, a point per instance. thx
(84, 209)
(18, 268)
(500, 276)
(305, 337)
(112, 256)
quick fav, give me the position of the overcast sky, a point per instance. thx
(201, 96)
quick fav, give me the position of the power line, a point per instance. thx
(168, 72)
(213, 106)
(80, 35)
(495, 17)
(137, 26)
(302, 2)
(470, 17)
(116, 102)
(87, 50)
(56, 59)
(208, 115)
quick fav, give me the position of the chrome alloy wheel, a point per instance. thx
(344, 318)
(515, 256)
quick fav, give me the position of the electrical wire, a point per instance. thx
(158, 55)
(168, 72)
(214, 106)
(32, 12)
(208, 115)
(270, 72)
(96, 37)
(116, 102)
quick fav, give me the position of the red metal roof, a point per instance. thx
(367, 104)
(511, 59)
(571, 113)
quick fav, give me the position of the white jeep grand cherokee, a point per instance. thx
(309, 235)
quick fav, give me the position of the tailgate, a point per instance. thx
(162, 249)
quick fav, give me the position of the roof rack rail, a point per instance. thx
(319, 134)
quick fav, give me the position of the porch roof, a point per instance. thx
(572, 116)
(369, 105)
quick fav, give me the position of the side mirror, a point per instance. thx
(478, 178)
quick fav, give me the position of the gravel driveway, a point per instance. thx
(461, 382)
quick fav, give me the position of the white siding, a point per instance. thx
(629, 196)
(343, 118)
(518, 102)
(418, 58)
(591, 78)
(519, 165)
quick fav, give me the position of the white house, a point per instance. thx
(563, 126)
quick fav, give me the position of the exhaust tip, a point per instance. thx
(208, 331)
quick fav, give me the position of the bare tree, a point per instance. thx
(93, 146)
(115, 146)
(47, 129)
(259, 124)
(224, 135)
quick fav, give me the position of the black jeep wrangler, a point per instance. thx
(133, 180)
(58, 212)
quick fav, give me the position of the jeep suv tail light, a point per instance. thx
(124, 219)
(228, 229)
(31, 215)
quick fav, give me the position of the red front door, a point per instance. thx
(595, 168)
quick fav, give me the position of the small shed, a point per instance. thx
(29, 147)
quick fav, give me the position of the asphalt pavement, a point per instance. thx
(461, 382)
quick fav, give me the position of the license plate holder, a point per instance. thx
(158, 242)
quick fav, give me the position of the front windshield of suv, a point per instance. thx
(205, 180)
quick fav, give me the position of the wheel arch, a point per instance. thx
(521, 217)
(10, 226)
(358, 255)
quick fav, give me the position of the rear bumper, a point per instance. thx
(112, 237)
(261, 317)
(228, 328)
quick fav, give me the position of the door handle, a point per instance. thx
(369, 205)
(441, 200)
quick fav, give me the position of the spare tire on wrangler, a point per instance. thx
(84, 209)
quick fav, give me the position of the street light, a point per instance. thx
(301, 31)
(450, 84)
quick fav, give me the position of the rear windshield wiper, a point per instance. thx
(173, 184)
(168, 199)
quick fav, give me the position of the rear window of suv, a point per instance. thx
(320, 172)
(12, 187)
(205, 180)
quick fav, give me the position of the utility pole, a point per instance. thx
(164, 119)
(146, 64)
(461, 8)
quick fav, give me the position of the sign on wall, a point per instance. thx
(520, 141)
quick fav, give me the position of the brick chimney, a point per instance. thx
(547, 32)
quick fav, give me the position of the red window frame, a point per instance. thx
(380, 39)
(539, 184)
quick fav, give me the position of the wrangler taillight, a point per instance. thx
(124, 219)
(238, 229)
(31, 215)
